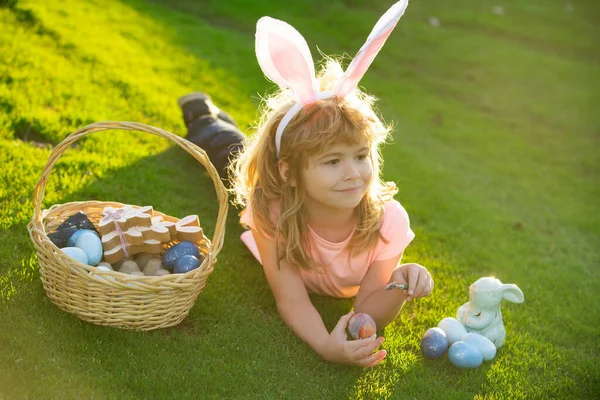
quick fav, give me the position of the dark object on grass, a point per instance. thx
(211, 129)
(67, 229)
(9, 3)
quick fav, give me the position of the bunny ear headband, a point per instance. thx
(285, 58)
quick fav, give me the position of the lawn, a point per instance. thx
(495, 151)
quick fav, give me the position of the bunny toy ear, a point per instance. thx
(284, 57)
(369, 50)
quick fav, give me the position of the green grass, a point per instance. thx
(495, 152)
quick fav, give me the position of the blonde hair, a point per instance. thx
(256, 177)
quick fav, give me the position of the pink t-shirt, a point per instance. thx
(342, 275)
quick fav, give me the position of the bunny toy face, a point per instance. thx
(486, 292)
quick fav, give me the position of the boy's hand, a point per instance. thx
(417, 278)
(337, 348)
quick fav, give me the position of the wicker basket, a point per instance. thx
(112, 298)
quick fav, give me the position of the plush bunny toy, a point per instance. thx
(481, 314)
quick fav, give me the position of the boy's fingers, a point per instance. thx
(369, 348)
(343, 322)
(355, 345)
(413, 276)
(374, 359)
(420, 286)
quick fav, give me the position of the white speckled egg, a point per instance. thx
(453, 328)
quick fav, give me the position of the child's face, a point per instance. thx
(339, 177)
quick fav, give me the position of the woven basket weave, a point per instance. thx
(108, 297)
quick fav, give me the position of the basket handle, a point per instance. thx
(195, 151)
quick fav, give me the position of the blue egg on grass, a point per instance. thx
(186, 263)
(483, 344)
(91, 244)
(71, 241)
(464, 355)
(76, 253)
(434, 343)
(178, 251)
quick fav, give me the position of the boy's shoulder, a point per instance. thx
(394, 213)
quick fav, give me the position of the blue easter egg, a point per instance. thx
(178, 251)
(76, 253)
(91, 244)
(464, 355)
(186, 263)
(71, 241)
(453, 328)
(434, 343)
(483, 344)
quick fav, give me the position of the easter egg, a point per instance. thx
(186, 263)
(453, 328)
(464, 355)
(162, 272)
(483, 344)
(103, 268)
(361, 326)
(178, 251)
(434, 343)
(71, 241)
(76, 253)
(90, 243)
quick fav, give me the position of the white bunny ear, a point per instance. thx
(367, 53)
(285, 58)
(512, 293)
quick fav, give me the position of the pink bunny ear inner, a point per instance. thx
(285, 58)
(375, 41)
(293, 67)
(359, 65)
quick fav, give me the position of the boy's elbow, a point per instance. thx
(284, 306)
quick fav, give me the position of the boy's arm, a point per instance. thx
(297, 311)
(384, 305)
